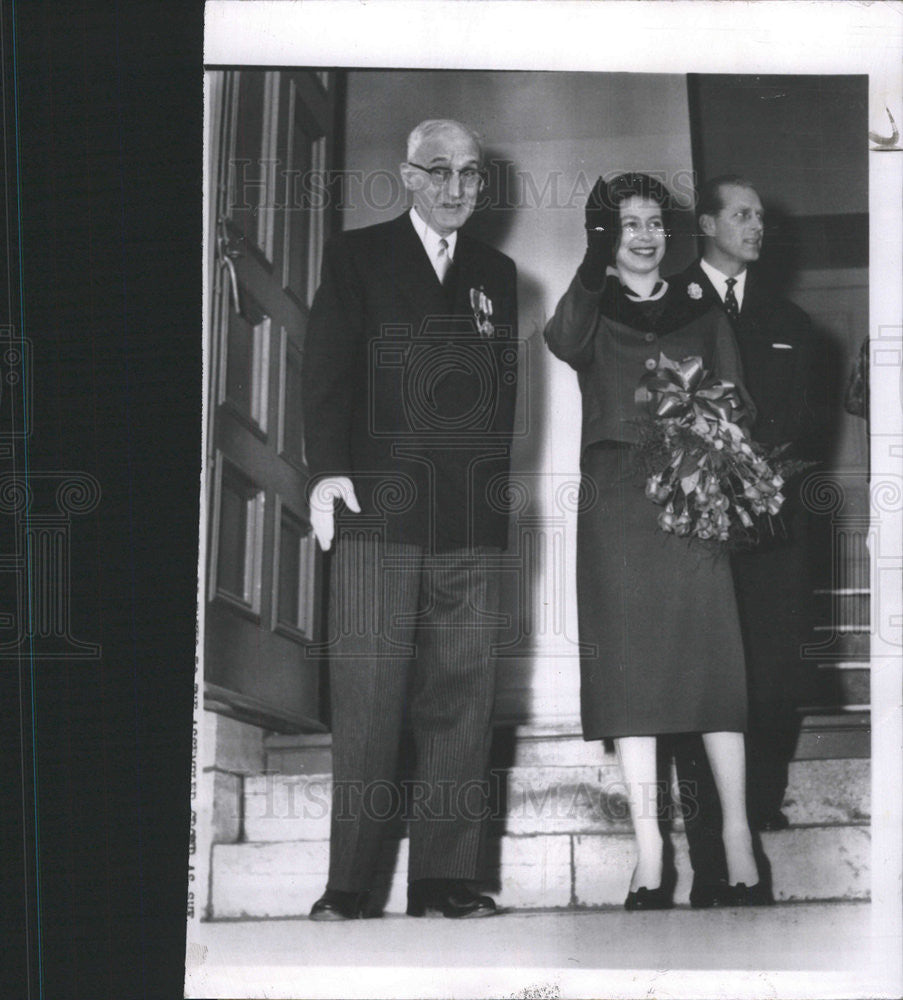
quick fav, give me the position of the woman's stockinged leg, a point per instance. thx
(637, 758)
(727, 757)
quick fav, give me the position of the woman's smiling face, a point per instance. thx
(641, 245)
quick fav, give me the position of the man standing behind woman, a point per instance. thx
(780, 354)
(657, 611)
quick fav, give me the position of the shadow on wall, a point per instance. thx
(493, 223)
(681, 243)
(496, 208)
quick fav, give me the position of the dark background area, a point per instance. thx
(811, 171)
(102, 179)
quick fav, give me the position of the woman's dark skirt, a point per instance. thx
(658, 611)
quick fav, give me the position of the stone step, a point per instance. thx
(307, 754)
(834, 734)
(842, 683)
(837, 642)
(512, 746)
(829, 729)
(533, 746)
(527, 801)
(828, 791)
(550, 870)
(845, 606)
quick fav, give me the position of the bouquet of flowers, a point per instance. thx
(712, 480)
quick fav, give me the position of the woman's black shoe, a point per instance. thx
(775, 821)
(742, 894)
(337, 905)
(649, 899)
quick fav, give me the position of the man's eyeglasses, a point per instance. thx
(440, 176)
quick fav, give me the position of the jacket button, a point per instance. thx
(649, 337)
(650, 364)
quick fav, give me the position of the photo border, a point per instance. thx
(675, 37)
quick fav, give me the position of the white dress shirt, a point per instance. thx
(430, 240)
(719, 281)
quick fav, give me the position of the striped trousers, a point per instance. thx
(410, 640)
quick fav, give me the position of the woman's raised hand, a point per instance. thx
(600, 227)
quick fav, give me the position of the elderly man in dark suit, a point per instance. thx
(410, 369)
(773, 585)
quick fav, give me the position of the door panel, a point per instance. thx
(291, 416)
(265, 575)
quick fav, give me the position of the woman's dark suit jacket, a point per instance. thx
(611, 357)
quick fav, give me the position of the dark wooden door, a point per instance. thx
(269, 133)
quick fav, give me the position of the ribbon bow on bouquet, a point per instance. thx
(678, 389)
(704, 470)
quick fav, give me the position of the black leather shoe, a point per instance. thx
(337, 905)
(776, 821)
(704, 895)
(742, 894)
(449, 897)
(649, 899)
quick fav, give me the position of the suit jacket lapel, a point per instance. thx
(709, 295)
(466, 275)
(407, 266)
(749, 311)
(683, 307)
(753, 299)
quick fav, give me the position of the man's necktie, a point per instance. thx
(730, 301)
(443, 261)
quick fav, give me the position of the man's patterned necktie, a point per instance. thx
(730, 301)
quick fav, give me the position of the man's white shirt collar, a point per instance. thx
(719, 281)
(430, 238)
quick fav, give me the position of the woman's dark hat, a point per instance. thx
(603, 207)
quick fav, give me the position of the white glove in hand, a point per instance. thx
(322, 499)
